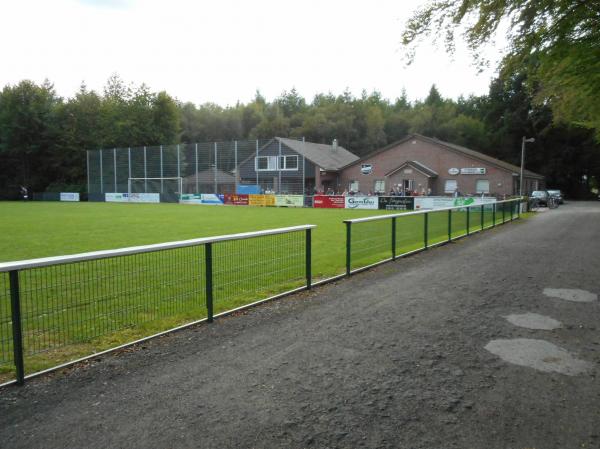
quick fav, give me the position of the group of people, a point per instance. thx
(393, 192)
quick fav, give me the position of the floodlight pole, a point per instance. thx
(523, 141)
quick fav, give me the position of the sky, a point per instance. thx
(223, 51)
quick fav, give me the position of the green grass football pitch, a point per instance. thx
(73, 310)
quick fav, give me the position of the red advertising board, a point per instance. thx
(237, 200)
(329, 201)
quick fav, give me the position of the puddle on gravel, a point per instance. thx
(534, 321)
(538, 354)
(571, 294)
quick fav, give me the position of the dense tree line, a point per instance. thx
(43, 137)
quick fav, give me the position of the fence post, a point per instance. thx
(503, 213)
(393, 238)
(468, 219)
(449, 225)
(482, 212)
(15, 302)
(494, 215)
(512, 206)
(308, 252)
(519, 205)
(348, 247)
(209, 281)
(425, 228)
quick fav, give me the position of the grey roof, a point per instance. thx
(208, 176)
(322, 155)
(418, 166)
(466, 151)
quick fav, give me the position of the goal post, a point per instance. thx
(170, 187)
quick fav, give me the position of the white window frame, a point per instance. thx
(477, 190)
(271, 163)
(382, 190)
(283, 162)
(350, 189)
(455, 183)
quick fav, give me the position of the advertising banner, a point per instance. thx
(237, 200)
(396, 202)
(289, 200)
(432, 202)
(204, 198)
(211, 198)
(190, 198)
(269, 200)
(116, 197)
(143, 197)
(69, 196)
(256, 200)
(362, 202)
(329, 201)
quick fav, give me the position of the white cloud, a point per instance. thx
(223, 51)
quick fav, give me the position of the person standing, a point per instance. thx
(24, 193)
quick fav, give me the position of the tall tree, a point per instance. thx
(556, 41)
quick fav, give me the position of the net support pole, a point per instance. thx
(101, 174)
(197, 183)
(115, 167)
(235, 164)
(161, 170)
(279, 168)
(129, 162)
(215, 170)
(178, 165)
(145, 172)
(303, 176)
(256, 163)
(87, 169)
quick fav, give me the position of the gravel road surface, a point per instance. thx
(391, 358)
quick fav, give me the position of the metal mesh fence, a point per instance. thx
(371, 242)
(376, 239)
(71, 309)
(263, 166)
(277, 264)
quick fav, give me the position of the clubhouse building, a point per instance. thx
(426, 166)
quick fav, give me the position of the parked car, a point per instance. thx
(557, 194)
(540, 197)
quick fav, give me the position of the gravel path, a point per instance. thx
(391, 358)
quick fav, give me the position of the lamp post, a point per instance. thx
(524, 140)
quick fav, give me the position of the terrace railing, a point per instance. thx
(58, 310)
(378, 239)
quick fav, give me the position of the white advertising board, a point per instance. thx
(362, 202)
(132, 198)
(69, 196)
(144, 197)
(472, 171)
(433, 202)
(116, 197)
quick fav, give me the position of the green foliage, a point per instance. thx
(557, 42)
